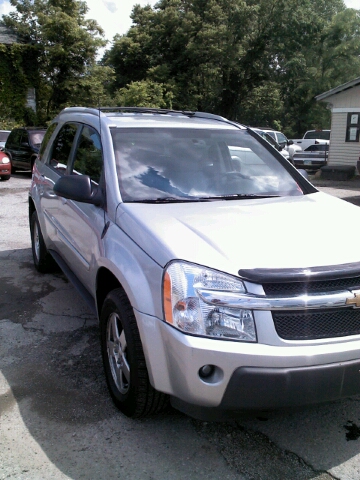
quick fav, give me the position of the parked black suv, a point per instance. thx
(22, 147)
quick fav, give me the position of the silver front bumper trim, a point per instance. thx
(344, 298)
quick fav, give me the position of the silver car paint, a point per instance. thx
(174, 359)
(142, 239)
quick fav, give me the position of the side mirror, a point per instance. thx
(79, 188)
(290, 142)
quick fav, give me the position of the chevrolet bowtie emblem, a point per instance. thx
(355, 300)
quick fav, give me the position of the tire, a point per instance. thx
(5, 177)
(43, 261)
(124, 361)
(13, 169)
(32, 161)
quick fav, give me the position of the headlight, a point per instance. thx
(5, 160)
(187, 311)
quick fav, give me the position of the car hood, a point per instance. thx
(288, 232)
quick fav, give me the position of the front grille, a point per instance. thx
(298, 288)
(314, 324)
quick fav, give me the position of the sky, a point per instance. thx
(114, 15)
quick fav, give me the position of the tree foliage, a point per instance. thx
(17, 75)
(144, 93)
(249, 60)
(259, 62)
(66, 45)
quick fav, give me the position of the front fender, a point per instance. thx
(139, 275)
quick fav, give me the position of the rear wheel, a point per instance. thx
(43, 261)
(124, 361)
(5, 177)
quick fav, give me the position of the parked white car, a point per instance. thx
(197, 263)
(284, 152)
(283, 141)
(313, 137)
(312, 158)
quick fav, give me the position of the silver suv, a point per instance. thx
(188, 236)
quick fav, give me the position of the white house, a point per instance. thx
(344, 101)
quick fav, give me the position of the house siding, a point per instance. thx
(343, 153)
(347, 99)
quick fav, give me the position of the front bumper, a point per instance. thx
(248, 376)
(266, 388)
(5, 170)
(309, 164)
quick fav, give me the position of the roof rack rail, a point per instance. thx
(91, 110)
(165, 111)
(158, 111)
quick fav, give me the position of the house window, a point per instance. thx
(353, 127)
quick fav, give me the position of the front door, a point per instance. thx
(75, 228)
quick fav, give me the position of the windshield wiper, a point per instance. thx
(235, 196)
(169, 200)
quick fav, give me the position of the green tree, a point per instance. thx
(66, 45)
(236, 57)
(17, 75)
(331, 58)
(145, 94)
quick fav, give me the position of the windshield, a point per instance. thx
(36, 136)
(4, 136)
(193, 164)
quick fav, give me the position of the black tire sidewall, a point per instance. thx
(116, 303)
(44, 262)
